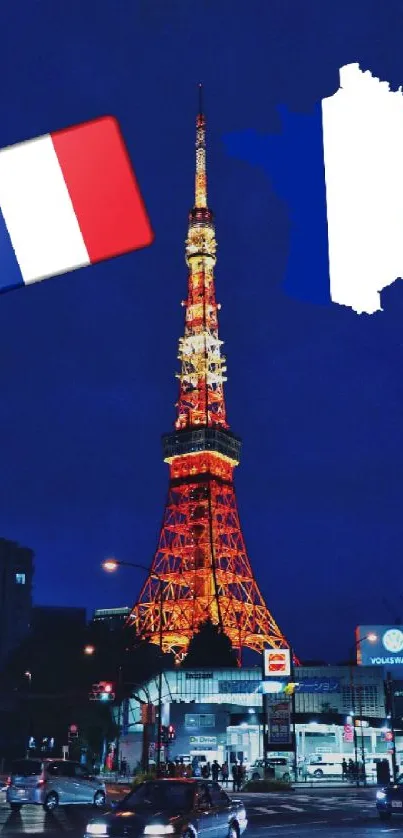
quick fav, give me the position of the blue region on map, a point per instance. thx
(293, 160)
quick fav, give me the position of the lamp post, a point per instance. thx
(372, 638)
(28, 676)
(110, 565)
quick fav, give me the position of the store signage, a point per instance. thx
(386, 650)
(318, 685)
(348, 733)
(279, 723)
(276, 663)
(198, 676)
(207, 741)
(232, 687)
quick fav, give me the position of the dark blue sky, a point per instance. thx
(87, 360)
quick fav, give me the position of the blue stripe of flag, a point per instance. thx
(10, 274)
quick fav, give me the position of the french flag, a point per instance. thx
(339, 169)
(67, 200)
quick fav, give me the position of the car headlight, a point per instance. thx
(96, 829)
(380, 795)
(159, 829)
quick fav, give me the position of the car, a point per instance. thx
(277, 767)
(182, 807)
(50, 782)
(325, 768)
(389, 800)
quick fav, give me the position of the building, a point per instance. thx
(113, 618)
(58, 619)
(219, 714)
(16, 575)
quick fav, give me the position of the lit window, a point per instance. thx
(20, 578)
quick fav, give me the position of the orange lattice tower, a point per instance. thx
(201, 566)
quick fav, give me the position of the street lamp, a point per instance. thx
(372, 637)
(111, 565)
(89, 649)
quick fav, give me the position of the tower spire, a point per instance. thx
(201, 175)
(201, 390)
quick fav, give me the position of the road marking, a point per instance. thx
(265, 811)
(291, 808)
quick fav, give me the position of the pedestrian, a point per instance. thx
(351, 770)
(171, 769)
(234, 772)
(239, 776)
(344, 769)
(205, 771)
(215, 770)
(224, 772)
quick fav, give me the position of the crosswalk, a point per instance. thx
(272, 805)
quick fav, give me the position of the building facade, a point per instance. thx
(218, 714)
(16, 575)
(112, 618)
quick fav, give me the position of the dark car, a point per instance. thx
(389, 800)
(188, 807)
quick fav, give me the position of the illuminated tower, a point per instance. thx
(201, 561)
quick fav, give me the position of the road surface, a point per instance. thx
(316, 813)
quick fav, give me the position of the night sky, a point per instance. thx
(87, 360)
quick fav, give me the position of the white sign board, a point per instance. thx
(276, 663)
(203, 740)
(65, 749)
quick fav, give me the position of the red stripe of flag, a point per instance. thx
(103, 188)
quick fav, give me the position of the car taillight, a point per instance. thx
(9, 781)
(40, 783)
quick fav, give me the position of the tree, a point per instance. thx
(210, 646)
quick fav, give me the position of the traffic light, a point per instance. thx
(103, 691)
(171, 733)
(72, 733)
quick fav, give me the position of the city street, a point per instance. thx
(323, 812)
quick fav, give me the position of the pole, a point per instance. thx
(364, 775)
(391, 708)
(159, 733)
(357, 779)
(293, 717)
(120, 699)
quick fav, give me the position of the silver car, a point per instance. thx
(50, 782)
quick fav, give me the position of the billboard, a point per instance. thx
(276, 663)
(279, 724)
(385, 650)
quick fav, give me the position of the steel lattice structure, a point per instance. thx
(201, 561)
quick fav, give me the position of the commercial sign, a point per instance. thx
(276, 663)
(232, 687)
(206, 741)
(386, 650)
(279, 723)
(198, 676)
(348, 733)
(318, 685)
